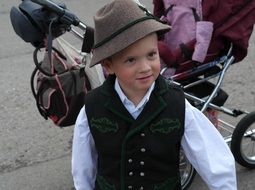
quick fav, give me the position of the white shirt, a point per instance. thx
(203, 145)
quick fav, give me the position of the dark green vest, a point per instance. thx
(140, 153)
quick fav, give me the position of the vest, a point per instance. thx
(140, 153)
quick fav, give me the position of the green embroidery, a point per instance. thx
(168, 184)
(165, 126)
(104, 125)
(103, 184)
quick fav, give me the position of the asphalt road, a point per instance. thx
(34, 154)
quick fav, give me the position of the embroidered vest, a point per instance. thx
(140, 153)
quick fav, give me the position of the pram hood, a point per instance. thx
(233, 22)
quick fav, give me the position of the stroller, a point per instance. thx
(202, 81)
(208, 76)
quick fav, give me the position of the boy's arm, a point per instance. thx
(207, 151)
(84, 155)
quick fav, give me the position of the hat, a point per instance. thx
(119, 24)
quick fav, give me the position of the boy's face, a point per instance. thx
(137, 66)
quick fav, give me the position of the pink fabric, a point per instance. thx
(182, 20)
(204, 31)
(183, 27)
(233, 22)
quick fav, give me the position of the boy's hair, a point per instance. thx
(119, 24)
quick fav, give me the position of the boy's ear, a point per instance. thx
(107, 64)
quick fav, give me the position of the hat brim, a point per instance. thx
(123, 40)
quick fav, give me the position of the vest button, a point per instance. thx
(143, 149)
(130, 187)
(130, 160)
(142, 163)
(142, 174)
(130, 173)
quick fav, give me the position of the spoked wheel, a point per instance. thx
(243, 141)
(187, 172)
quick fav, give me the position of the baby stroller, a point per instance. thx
(202, 81)
(239, 137)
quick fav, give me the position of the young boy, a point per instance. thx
(129, 133)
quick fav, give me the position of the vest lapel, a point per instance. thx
(155, 106)
(113, 102)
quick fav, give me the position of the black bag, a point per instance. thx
(59, 86)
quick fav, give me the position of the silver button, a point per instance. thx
(141, 188)
(142, 163)
(130, 160)
(142, 134)
(142, 174)
(130, 173)
(143, 149)
(130, 187)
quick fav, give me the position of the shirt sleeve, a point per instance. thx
(84, 155)
(207, 151)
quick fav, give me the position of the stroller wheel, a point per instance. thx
(187, 172)
(243, 141)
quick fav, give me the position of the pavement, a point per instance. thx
(35, 154)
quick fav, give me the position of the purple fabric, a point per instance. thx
(233, 22)
(204, 31)
(182, 20)
(183, 27)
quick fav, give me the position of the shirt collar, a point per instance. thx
(124, 98)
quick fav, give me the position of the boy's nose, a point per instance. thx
(145, 66)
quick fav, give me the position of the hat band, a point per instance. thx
(121, 30)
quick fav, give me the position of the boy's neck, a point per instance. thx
(135, 97)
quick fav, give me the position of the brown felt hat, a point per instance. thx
(119, 24)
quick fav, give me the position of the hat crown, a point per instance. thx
(115, 16)
(118, 25)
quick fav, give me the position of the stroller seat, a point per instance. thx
(189, 70)
(196, 80)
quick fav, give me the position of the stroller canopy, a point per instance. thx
(233, 21)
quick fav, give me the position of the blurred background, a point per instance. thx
(35, 154)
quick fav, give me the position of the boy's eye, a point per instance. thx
(152, 55)
(130, 60)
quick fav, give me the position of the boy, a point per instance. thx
(128, 136)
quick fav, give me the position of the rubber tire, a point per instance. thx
(237, 136)
(189, 179)
(188, 182)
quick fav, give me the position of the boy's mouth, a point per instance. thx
(144, 77)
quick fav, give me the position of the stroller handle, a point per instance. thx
(69, 18)
(65, 15)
